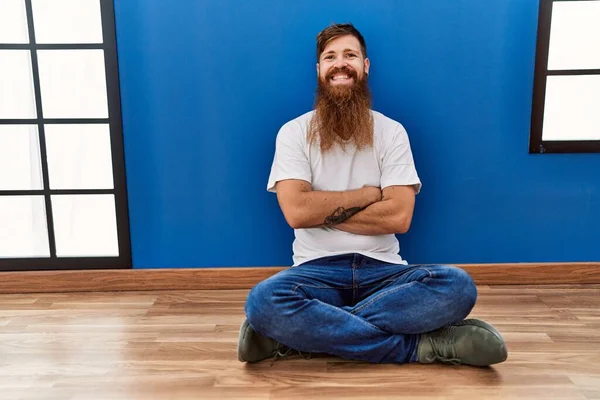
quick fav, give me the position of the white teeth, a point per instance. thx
(340, 77)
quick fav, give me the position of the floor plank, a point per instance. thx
(182, 344)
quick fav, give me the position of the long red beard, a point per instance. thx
(342, 114)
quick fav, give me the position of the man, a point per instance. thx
(346, 182)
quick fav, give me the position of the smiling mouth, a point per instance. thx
(341, 78)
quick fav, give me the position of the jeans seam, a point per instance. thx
(426, 279)
(359, 318)
(318, 287)
(377, 284)
(395, 279)
(341, 309)
(354, 285)
(391, 290)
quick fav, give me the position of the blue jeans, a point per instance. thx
(359, 308)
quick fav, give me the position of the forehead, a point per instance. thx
(342, 43)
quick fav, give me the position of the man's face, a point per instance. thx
(342, 63)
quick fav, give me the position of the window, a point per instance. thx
(566, 99)
(63, 200)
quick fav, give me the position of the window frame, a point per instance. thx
(114, 120)
(536, 143)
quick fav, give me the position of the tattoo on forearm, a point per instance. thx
(340, 215)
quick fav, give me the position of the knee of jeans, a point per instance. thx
(258, 299)
(262, 306)
(464, 291)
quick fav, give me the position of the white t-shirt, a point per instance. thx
(389, 162)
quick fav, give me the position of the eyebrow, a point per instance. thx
(345, 51)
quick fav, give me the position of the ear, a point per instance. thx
(367, 65)
(317, 69)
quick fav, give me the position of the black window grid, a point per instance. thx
(114, 121)
(536, 142)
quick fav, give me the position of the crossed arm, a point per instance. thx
(365, 211)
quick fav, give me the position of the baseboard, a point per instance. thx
(246, 278)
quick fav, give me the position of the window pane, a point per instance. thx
(67, 21)
(13, 22)
(17, 98)
(571, 109)
(73, 83)
(575, 35)
(20, 167)
(23, 228)
(79, 156)
(85, 225)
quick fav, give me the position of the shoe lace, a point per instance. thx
(444, 348)
(282, 351)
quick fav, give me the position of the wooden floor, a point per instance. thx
(182, 345)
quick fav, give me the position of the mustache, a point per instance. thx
(345, 69)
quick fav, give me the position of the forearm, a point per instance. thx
(380, 218)
(318, 208)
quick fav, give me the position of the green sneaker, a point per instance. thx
(471, 342)
(254, 347)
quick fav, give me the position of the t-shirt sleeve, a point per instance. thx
(398, 166)
(290, 160)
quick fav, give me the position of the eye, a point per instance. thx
(329, 57)
(351, 55)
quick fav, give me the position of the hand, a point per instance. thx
(373, 193)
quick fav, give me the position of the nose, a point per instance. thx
(340, 62)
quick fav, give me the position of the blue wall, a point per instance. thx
(206, 84)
